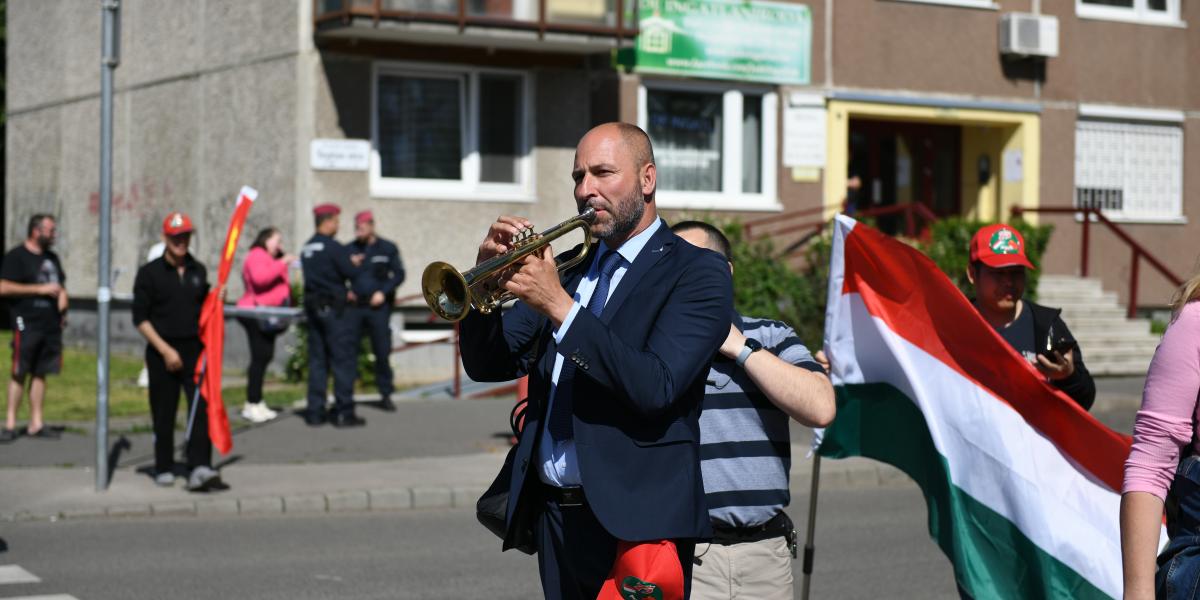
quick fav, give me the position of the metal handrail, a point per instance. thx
(1138, 251)
(814, 228)
(461, 18)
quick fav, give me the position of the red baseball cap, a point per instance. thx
(999, 246)
(176, 223)
(363, 217)
(322, 210)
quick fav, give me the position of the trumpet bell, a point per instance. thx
(446, 291)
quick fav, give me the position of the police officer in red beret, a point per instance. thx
(327, 269)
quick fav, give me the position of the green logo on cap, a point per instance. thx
(633, 588)
(1004, 241)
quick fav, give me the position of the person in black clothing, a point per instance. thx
(327, 267)
(32, 278)
(997, 270)
(374, 291)
(168, 293)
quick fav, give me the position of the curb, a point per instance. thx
(836, 474)
(351, 501)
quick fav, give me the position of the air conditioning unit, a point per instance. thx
(1027, 34)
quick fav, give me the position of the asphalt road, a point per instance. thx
(871, 543)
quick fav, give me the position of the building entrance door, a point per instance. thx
(899, 162)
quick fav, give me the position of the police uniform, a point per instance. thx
(381, 271)
(326, 266)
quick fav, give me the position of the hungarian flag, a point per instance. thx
(1022, 485)
(212, 331)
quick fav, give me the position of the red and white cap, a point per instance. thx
(999, 246)
(176, 223)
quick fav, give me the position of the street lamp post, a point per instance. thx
(111, 11)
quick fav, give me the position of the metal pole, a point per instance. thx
(809, 551)
(110, 10)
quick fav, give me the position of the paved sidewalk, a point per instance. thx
(429, 454)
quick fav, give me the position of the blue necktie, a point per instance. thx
(560, 424)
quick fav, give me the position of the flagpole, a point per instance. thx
(187, 435)
(812, 526)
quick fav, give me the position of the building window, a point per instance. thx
(1133, 171)
(714, 146)
(1162, 12)
(450, 133)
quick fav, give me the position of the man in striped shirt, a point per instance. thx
(762, 376)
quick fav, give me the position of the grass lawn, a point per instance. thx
(71, 395)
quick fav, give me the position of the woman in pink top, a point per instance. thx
(1166, 456)
(265, 276)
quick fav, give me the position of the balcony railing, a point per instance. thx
(608, 18)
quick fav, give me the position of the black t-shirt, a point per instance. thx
(1019, 335)
(169, 300)
(22, 266)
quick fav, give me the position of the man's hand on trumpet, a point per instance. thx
(500, 237)
(536, 282)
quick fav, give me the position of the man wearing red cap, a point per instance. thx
(167, 295)
(327, 268)
(374, 291)
(1038, 333)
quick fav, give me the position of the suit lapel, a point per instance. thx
(660, 245)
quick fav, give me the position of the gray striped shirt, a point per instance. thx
(745, 447)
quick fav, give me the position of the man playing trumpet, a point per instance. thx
(606, 478)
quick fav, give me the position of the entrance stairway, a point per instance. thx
(1111, 344)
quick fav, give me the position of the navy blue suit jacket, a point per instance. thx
(639, 381)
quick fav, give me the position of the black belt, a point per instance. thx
(564, 497)
(779, 526)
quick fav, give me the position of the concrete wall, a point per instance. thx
(205, 93)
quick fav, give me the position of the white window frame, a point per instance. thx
(1135, 116)
(469, 188)
(1139, 13)
(984, 4)
(731, 196)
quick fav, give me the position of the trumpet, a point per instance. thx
(451, 294)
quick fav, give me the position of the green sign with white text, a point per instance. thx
(747, 40)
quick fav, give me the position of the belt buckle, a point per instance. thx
(570, 497)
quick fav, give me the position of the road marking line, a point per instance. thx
(50, 597)
(15, 574)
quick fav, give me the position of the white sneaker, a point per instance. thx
(203, 479)
(165, 479)
(258, 413)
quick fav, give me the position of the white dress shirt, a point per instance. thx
(560, 466)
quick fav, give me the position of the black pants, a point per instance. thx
(164, 405)
(576, 554)
(377, 323)
(331, 347)
(262, 350)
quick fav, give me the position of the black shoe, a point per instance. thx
(348, 420)
(9, 435)
(315, 419)
(386, 404)
(45, 433)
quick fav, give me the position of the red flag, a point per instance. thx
(643, 571)
(212, 331)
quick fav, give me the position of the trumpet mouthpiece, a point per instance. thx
(588, 214)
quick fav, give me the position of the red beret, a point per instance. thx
(363, 217)
(323, 210)
(177, 223)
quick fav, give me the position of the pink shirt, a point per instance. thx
(1166, 422)
(266, 280)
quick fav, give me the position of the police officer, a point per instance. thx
(374, 292)
(327, 267)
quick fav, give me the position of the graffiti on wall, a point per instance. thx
(133, 199)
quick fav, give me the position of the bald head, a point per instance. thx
(634, 141)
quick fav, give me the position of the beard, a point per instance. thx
(45, 242)
(626, 214)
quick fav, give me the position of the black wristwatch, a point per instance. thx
(752, 346)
